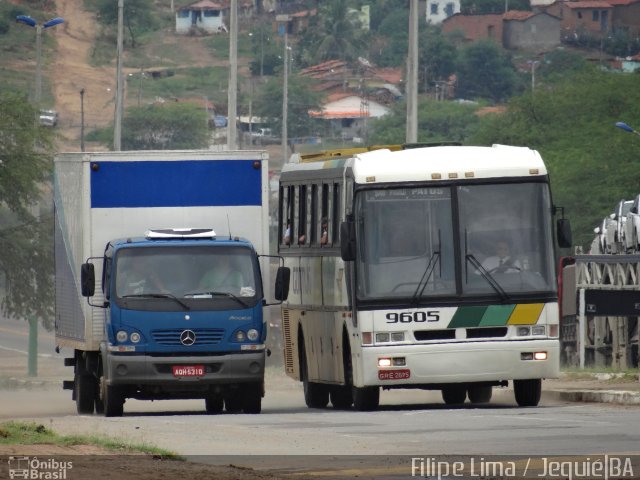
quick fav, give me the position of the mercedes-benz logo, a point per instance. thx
(188, 338)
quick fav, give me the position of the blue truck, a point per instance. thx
(160, 281)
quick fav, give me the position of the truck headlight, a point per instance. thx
(122, 336)
(240, 336)
(135, 337)
(253, 334)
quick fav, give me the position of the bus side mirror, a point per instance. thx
(563, 232)
(283, 277)
(348, 241)
(87, 280)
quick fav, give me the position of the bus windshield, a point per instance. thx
(413, 244)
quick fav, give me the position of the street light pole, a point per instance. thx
(627, 128)
(27, 20)
(412, 75)
(117, 123)
(232, 94)
(82, 120)
(533, 64)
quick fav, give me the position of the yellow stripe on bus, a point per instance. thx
(526, 314)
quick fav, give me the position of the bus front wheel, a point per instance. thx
(365, 399)
(527, 392)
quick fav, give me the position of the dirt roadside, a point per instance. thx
(88, 462)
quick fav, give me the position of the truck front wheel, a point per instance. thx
(112, 399)
(252, 398)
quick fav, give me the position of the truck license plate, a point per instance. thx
(188, 371)
(394, 374)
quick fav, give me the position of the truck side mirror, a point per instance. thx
(348, 241)
(87, 280)
(283, 277)
(563, 232)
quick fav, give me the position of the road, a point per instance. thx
(289, 437)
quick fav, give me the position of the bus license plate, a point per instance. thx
(394, 374)
(188, 371)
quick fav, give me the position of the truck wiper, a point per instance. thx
(426, 276)
(160, 295)
(487, 276)
(218, 294)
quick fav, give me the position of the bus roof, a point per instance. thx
(443, 163)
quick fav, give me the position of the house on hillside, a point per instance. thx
(590, 16)
(530, 31)
(347, 114)
(439, 10)
(209, 16)
(475, 27)
(203, 16)
(626, 16)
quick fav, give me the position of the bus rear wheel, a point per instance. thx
(480, 394)
(454, 395)
(527, 392)
(316, 395)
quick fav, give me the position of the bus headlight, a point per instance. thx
(538, 330)
(523, 331)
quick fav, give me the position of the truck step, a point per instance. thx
(70, 362)
(67, 384)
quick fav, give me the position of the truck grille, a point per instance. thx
(204, 336)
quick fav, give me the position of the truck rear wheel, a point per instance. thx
(85, 393)
(527, 392)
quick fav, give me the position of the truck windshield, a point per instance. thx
(187, 275)
(413, 245)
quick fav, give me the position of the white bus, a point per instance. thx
(387, 281)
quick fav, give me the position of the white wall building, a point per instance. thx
(439, 10)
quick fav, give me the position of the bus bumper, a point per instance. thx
(459, 363)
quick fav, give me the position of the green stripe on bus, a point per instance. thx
(467, 317)
(497, 315)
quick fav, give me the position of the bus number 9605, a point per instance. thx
(408, 317)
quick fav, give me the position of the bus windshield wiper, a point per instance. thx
(218, 294)
(487, 276)
(426, 276)
(160, 295)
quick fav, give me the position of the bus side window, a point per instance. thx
(302, 214)
(288, 208)
(313, 217)
(324, 215)
(335, 215)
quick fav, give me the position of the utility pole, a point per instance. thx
(82, 120)
(412, 75)
(117, 123)
(232, 112)
(284, 22)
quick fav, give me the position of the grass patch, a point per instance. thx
(30, 433)
(614, 376)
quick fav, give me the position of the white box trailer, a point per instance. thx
(102, 197)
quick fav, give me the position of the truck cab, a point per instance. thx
(183, 319)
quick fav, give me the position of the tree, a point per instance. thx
(485, 71)
(437, 56)
(437, 122)
(26, 248)
(334, 34)
(172, 126)
(301, 100)
(592, 164)
(137, 16)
